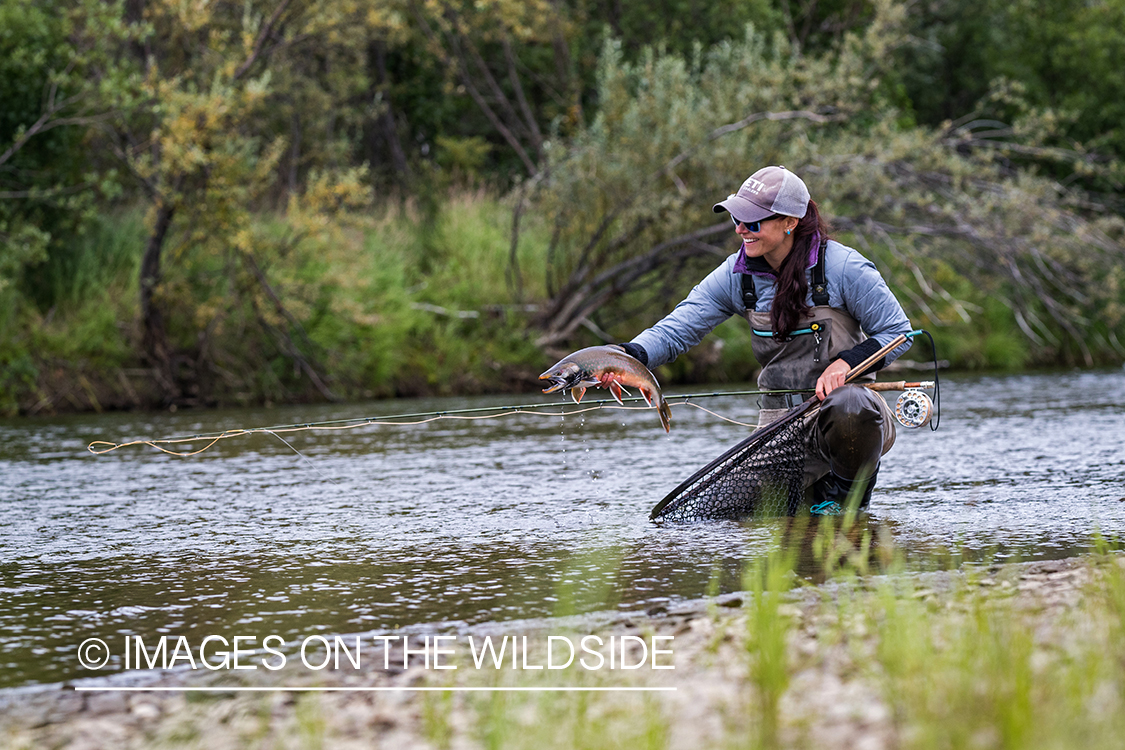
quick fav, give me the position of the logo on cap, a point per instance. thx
(754, 186)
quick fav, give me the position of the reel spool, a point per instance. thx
(913, 408)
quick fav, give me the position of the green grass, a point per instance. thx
(972, 671)
(108, 253)
(767, 643)
(377, 303)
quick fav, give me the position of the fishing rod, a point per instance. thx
(101, 447)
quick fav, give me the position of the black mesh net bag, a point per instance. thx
(761, 476)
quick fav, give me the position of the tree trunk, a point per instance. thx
(154, 338)
(386, 120)
(294, 152)
(564, 70)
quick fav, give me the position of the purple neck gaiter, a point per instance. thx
(741, 267)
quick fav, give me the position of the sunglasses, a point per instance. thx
(754, 226)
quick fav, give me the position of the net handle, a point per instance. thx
(861, 369)
(797, 412)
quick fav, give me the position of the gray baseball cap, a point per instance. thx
(769, 191)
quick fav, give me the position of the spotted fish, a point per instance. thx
(606, 367)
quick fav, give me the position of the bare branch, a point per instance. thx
(513, 77)
(46, 122)
(44, 193)
(283, 337)
(260, 42)
(613, 281)
(467, 81)
(744, 122)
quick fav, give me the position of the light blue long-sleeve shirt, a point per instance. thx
(854, 285)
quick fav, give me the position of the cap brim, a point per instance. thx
(742, 209)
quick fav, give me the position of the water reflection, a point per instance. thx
(376, 528)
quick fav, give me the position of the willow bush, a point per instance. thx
(981, 248)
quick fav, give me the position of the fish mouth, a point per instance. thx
(557, 382)
(562, 382)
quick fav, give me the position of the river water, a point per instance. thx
(378, 528)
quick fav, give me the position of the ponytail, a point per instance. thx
(789, 305)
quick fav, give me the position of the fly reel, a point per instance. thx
(913, 408)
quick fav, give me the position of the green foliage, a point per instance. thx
(955, 232)
(463, 157)
(105, 253)
(363, 296)
(18, 375)
(1058, 57)
(612, 114)
(974, 673)
(767, 641)
(56, 59)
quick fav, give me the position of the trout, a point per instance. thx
(607, 367)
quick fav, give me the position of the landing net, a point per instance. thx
(761, 476)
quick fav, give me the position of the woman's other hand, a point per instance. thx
(832, 377)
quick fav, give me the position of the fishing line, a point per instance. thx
(937, 385)
(101, 447)
(308, 460)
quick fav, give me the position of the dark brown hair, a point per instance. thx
(789, 305)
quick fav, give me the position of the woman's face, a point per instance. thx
(770, 241)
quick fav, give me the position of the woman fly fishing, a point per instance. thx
(817, 308)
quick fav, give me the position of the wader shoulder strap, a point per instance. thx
(819, 283)
(749, 293)
(819, 280)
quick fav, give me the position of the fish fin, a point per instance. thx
(648, 395)
(665, 412)
(615, 388)
(577, 393)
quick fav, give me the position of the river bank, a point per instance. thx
(395, 302)
(981, 657)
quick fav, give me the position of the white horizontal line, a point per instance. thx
(373, 689)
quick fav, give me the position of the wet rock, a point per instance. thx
(145, 710)
(702, 626)
(97, 734)
(100, 704)
(67, 704)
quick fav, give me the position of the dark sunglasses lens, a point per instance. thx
(753, 226)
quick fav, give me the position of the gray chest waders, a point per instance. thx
(854, 426)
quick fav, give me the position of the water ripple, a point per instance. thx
(380, 527)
